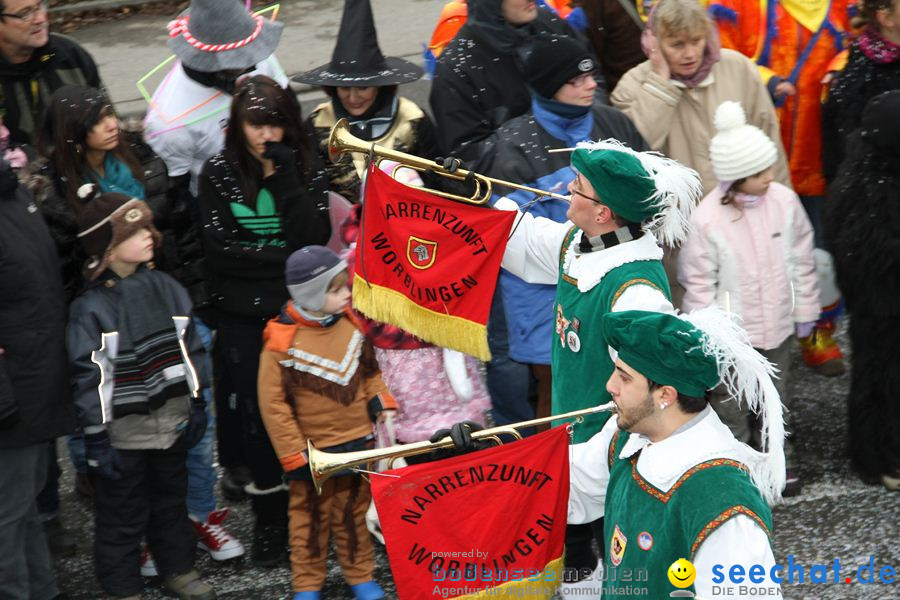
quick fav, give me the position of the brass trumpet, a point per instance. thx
(341, 141)
(323, 465)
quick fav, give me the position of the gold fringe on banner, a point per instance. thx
(543, 586)
(390, 306)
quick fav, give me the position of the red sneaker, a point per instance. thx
(148, 565)
(215, 539)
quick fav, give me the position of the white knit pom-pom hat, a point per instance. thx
(739, 150)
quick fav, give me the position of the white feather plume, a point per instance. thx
(747, 376)
(678, 190)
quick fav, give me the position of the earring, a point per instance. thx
(662, 406)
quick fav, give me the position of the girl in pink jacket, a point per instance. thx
(751, 252)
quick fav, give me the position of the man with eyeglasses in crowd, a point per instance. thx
(33, 64)
(605, 258)
(564, 111)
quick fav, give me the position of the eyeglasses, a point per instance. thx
(575, 190)
(583, 195)
(29, 14)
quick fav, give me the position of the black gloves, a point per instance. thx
(9, 181)
(282, 155)
(451, 164)
(461, 434)
(196, 426)
(102, 458)
(285, 182)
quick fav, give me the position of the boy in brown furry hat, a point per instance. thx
(137, 396)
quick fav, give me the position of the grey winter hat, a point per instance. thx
(309, 272)
(215, 35)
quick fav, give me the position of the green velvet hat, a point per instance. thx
(662, 348)
(641, 187)
(694, 353)
(620, 181)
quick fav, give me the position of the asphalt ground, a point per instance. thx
(835, 517)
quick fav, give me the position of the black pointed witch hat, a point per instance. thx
(357, 60)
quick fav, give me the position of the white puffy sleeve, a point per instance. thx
(532, 252)
(589, 475)
(738, 541)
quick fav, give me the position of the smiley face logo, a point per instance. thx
(682, 573)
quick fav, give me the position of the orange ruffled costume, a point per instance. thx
(795, 40)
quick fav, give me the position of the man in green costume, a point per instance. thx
(606, 258)
(669, 477)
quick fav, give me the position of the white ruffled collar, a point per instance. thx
(588, 269)
(703, 438)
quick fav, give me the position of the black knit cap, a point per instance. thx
(880, 124)
(554, 60)
(106, 221)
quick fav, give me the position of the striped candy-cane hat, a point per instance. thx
(214, 35)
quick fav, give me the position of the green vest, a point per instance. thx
(580, 360)
(645, 528)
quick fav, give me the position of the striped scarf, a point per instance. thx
(149, 366)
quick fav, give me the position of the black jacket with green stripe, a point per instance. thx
(248, 240)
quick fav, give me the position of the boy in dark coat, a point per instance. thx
(137, 392)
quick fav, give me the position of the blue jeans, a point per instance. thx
(508, 381)
(26, 570)
(201, 496)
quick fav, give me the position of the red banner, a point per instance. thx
(494, 518)
(427, 264)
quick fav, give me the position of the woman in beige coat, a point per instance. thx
(672, 97)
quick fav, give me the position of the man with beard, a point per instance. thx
(668, 476)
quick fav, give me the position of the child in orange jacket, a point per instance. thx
(319, 382)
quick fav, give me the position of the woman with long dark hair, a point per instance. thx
(263, 197)
(81, 143)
